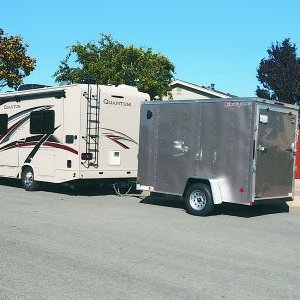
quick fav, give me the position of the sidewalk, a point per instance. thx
(296, 201)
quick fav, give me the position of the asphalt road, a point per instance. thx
(90, 246)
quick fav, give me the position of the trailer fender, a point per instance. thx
(216, 188)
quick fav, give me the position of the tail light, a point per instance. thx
(86, 156)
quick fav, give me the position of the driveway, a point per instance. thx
(54, 245)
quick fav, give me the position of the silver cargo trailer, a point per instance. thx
(239, 150)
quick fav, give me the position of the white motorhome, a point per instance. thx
(70, 133)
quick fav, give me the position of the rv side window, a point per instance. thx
(42, 122)
(3, 123)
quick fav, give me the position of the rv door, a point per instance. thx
(275, 153)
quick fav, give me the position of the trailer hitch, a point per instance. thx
(117, 190)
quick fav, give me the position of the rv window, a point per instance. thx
(3, 123)
(42, 122)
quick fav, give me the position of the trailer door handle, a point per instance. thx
(261, 148)
(291, 150)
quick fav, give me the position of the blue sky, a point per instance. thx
(212, 41)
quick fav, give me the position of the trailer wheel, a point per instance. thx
(199, 199)
(27, 178)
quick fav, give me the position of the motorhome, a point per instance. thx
(239, 150)
(70, 133)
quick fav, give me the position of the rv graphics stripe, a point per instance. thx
(52, 142)
(28, 141)
(13, 129)
(37, 140)
(60, 146)
(21, 122)
(37, 147)
(118, 137)
(29, 110)
(3, 101)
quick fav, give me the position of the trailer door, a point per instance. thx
(275, 153)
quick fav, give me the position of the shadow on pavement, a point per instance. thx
(227, 209)
(10, 182)
(244, 211)
(164, 200)
(159, 199)
(90, 190)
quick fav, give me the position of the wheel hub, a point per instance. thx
(198, 200)
(28, 178)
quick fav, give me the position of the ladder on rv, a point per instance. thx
(92, 126)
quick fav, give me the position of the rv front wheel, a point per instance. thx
(199, 200)
(28, 180)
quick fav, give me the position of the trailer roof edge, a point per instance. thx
(237, 99)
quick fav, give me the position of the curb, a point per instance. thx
(294, 203)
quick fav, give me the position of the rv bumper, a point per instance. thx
(141, 187)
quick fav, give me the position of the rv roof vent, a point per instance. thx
(65, 82)
(31, 86)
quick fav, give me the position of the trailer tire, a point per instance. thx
(27, 178)
(199, 200)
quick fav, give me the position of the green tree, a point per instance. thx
(110, 62)
(279, 74)
(15, 64)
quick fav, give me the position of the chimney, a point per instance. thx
(212, 86)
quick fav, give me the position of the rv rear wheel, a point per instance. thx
(199, 199)
(28, 180)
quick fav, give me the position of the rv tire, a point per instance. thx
(199, 200)
(27, 178)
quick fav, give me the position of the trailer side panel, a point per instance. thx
(198, 139)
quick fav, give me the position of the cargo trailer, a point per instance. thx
(70, 133)
(238, 150)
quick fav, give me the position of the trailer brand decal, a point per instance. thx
(236, 104)
(116, 102)
(117, 137)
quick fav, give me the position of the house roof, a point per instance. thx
(201, 89)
